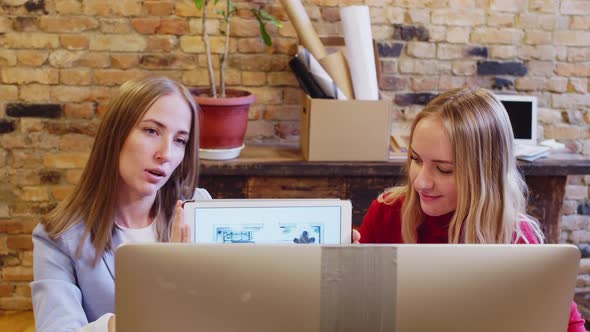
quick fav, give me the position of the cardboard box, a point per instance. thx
(345, 130)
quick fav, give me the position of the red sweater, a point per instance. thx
(383, 224)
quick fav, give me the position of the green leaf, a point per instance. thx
(270, 18)
(199, 3)
(265, 36)
(220, 12)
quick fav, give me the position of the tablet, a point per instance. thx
(271, 221)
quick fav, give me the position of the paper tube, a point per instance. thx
(356, 24)
(305, 31)
(336, 66)
(320, 75)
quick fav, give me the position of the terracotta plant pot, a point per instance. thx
(223, 122)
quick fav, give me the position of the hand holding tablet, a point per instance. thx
(271, 221)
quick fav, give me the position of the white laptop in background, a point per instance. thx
(369, 288)
(270, 221)
(522, 111)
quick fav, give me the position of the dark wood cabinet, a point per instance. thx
(263, 172)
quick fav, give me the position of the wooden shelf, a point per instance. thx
(281, 172)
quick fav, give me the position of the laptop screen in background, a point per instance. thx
(521, 118)
(275, 225)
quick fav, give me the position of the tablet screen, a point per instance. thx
(286, 224)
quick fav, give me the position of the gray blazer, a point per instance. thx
(69, 292)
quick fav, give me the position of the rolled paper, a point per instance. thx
(336, 66)
(319, 74)
(356, 25)
(306, 80)
(307, 35)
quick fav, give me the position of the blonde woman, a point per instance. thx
(143, 161)
(463, 184)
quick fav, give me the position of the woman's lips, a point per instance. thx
(428, 198)
(152, 178)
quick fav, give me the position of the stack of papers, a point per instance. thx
(530, 152)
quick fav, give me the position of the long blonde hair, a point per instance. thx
(491, 193)
(93, 199)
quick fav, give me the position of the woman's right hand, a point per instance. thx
(356, 237)
(112, 324)
(180, 229)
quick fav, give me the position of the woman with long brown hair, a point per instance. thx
(144, 161)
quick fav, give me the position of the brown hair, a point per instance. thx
(92, 200)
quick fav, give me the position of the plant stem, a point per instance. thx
(208, 50)
(223, 60)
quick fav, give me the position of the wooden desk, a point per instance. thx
(271, 172)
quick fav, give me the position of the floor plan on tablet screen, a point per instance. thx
(274, 222)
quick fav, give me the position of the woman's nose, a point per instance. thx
(163, 151)
(424, 179)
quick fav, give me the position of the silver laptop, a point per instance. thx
(399, 288)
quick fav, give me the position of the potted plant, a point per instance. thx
(224, 117)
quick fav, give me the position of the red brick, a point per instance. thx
(282, 79)
(112, 7)
(80, 111)
(124, 60)
(8, 92)
(147, 26)
(159, 8)
(34, 194)
(65, 160)
(244, 28)
(173, 27)
(161, 43)
(6, 290)
(7, 57)
(116, 77)
(23, 290)
(19, 242)
(20, 75)
(35, 40)
(458, 17)
(32, 57)
(67, 24)
(59, 193)
(285, 45)
(253, 78)
(573, 69)
(27, 258)
(117, 43)
(288, 131)
(68, 6)
(76, 143)
(76, 76)
(115, 26)
(73, 176)
(283, 112)
(293, 96)
(18, 226)
(330, 14)
(71, 93)
(93, 60)
(74, 42)
(16, 303)
(251, 45)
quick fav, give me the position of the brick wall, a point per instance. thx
(60, 60)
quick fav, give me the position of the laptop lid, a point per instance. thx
(271, 221)
(268, 288)
(522, 111)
